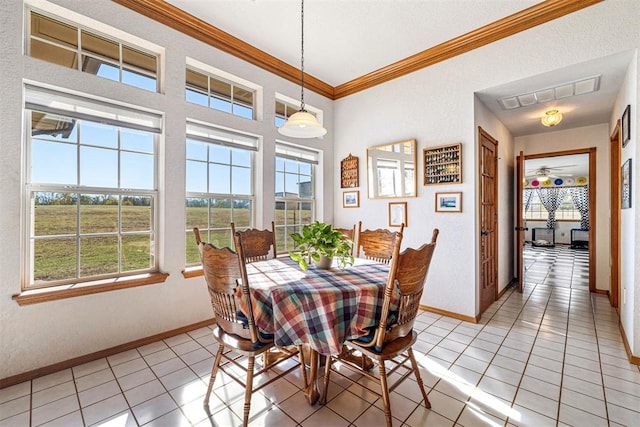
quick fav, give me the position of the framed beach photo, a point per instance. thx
(626, 126)
(449, 202)
(351, 199)
(397, 214)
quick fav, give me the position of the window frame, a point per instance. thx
(224, 78)
(294, 105)
(235, 140)
(121, 65)
(542, 211)
(290, 152)
(37, 100)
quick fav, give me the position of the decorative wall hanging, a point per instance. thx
(398, 214)
(625, 185)
(349, 172)
(449, 202)
(351, 199)
(626, 126)
(443, 164)
(581, 180)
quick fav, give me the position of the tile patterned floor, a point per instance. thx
(551, 356)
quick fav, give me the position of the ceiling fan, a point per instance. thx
(543, 173)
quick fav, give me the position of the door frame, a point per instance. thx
(614, 233)
(592, 204)
(484, 134)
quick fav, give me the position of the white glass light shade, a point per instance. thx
(551, 118)
(302, 125)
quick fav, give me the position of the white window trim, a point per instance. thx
(206, 69)
(39, 97)
(99, 28)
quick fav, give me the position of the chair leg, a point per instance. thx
(248, 391)
(214, 372)
(416, 371)
(327, 373)
(385, 392)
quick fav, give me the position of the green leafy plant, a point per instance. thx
(319, 239)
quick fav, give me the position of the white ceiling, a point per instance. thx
(345, 39)
(573, 165)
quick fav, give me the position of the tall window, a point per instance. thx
(219, 185)
(91, 184)
(73, 47)
(295, 195)
(220, 94)
(567, 210)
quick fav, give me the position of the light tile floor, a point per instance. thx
(552, 355)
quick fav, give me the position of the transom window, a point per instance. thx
(219, 185)
(295, 192)
(567, 210)
(73, 47)
(91, 189)
(220, 94)
(284, 110)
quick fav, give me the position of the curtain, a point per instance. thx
(527, 195)
(551, 199)
(580, 198)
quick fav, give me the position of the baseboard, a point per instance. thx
(511, 283)
(449, 314)
(26, 376)
(632, 359)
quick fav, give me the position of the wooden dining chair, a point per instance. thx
(349, 234)
(260, 245)
(235, 329)
(376, 245)
(390, 342)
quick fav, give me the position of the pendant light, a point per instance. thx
(302, 124)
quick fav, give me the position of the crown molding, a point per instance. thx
(179, 20)
(505, 27)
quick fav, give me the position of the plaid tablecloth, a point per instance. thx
(322, 308)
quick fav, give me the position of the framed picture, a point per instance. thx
(626, 126)
(625, 185)
(351, 199)
(449, 202)
(397, 214)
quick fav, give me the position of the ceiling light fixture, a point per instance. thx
(551, 118)
(302, 124)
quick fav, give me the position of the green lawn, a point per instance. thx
(58, 255)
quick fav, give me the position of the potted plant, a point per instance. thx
(321, 243)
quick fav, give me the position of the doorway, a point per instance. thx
(563, 248)
(488, 214)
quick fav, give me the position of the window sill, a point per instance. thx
(37, 296)
(192, 272)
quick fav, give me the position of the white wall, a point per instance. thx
(630, 218)
(584, 137)
(39, 335)
(436, 106)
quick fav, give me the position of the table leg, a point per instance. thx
(310, 387)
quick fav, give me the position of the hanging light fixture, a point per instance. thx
(542, 174)
(302, 124)
(551, 118)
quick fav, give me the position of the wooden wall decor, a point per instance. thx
(349, 172)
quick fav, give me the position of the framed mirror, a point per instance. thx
(391, 170)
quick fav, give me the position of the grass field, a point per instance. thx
(65, 249)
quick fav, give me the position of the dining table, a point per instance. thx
(318, 309)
